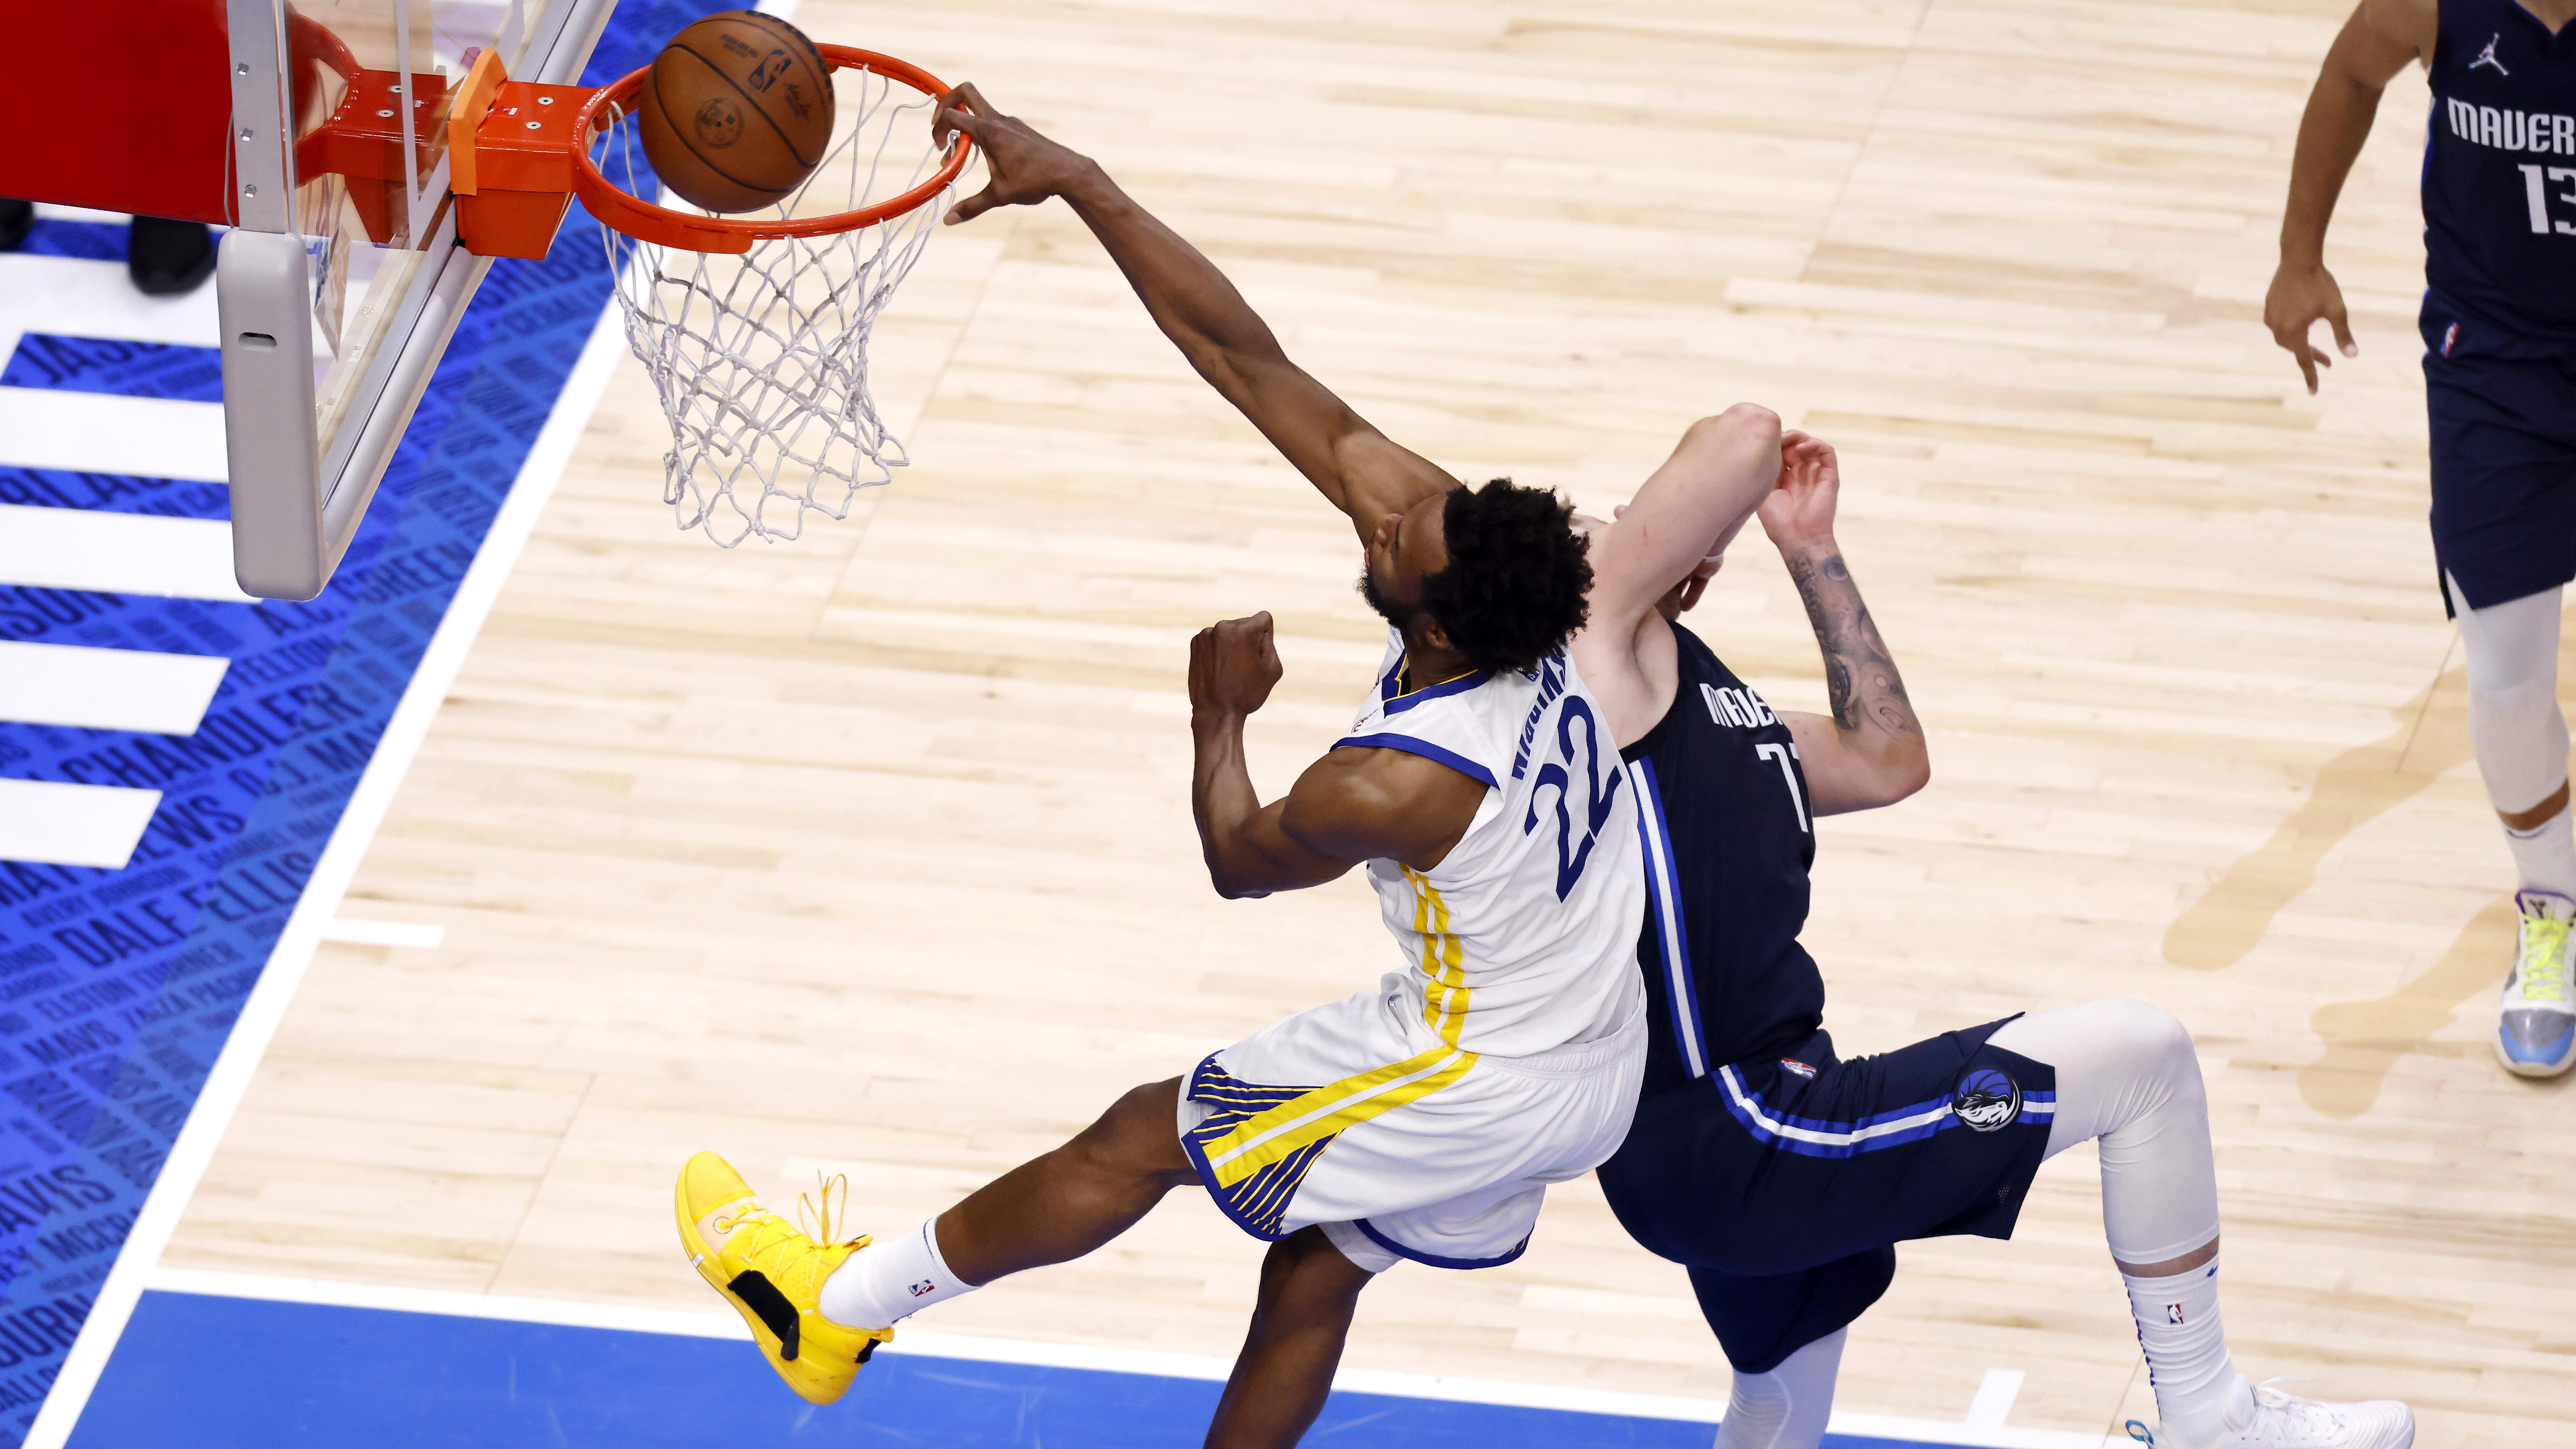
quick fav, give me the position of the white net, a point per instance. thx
(761, 360)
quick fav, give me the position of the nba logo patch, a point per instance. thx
(926, 1286)
(2450, 335)
(1798, 1068)
(1988, 1100)
(2173, 1313)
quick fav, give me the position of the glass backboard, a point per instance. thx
(342, 280)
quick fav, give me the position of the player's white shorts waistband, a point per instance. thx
(1426, 1151)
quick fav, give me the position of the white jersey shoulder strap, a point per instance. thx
(1451, 721)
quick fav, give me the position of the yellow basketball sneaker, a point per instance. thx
(772, 1274)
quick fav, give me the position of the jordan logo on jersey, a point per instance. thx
(2488, 55)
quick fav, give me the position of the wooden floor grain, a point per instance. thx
(872, 854)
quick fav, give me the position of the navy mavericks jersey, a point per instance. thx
(2500, 168)
(1722, 804)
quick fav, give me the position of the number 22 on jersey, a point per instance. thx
(1570, 856)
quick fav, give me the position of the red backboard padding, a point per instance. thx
(122, 105)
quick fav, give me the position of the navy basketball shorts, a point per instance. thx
(1783, 1185)
(2503, 414)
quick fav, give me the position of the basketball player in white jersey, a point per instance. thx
(1482, 788)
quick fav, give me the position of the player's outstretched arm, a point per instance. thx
(1353, 464)
(1717, 475)
(1350, 806)
(1871, 751)
(2375, 45)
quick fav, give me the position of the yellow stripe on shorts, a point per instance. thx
(1444, 998)
(1282, 1131)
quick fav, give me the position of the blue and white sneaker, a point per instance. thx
(2536, 1026)
(2267, 1418)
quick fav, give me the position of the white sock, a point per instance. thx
(890, 1279)
(2200, 1398)
(2545, 855)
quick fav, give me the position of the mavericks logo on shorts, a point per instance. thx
(1988, 1100)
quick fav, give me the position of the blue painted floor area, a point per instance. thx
(119, 987)
(213, 1373)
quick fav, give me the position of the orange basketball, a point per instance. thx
(737, 111)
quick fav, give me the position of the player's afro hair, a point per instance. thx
(1512, 592)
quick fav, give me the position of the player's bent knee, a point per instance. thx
(2533, 697)
(1139, 1135)
(2146, 1027)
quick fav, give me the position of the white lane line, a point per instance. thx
(56, 211)
(107, 689)
(88, 432)
(638, 1319)
(117, 553)
(58, 824)
(230, 1077)
(1994, 1398)
(351, 932)
(84, 298)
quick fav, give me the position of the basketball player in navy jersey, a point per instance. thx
(1781, 1175)
(2499, 325)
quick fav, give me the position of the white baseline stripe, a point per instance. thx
(231, 1074)
(383, 933)
(913, 1341)
(58, 824)
(107, 689)
(1994, 1399)
(117, 553)
(83, 298)
(89, 432)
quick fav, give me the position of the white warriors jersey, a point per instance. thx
(1523, 937)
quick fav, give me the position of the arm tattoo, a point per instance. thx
(1860, 679)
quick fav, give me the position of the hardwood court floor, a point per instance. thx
(872, 854)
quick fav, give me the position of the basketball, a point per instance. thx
(737, 111)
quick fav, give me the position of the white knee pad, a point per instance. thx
(2515, 725)
(2127, 1075)
(1786, 1408)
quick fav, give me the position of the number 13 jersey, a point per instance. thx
(1524, 936)
(2500, 168)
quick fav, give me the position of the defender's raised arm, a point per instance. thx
(1687, 509)
(1353, 464)
(1870, 751)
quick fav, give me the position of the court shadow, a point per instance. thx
(2428, 735)
(2365, 1038)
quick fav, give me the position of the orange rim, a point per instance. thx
(617, 207)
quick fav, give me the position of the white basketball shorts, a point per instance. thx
(1402, 1145)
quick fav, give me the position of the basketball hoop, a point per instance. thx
(754, 328)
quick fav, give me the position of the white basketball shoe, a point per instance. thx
(2276, 1420)
(2536, 1026)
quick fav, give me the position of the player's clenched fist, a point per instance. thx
(1800, 509)
(1233, 665)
